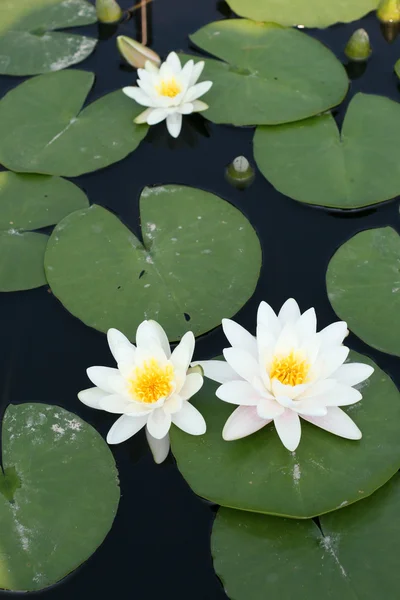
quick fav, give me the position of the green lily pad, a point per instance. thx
(326, 472)
(29, 43)
(363, 281)
(43, 128)
(313, 162)
(29, 202)
(309, 13)
(200, 262)
(58, 496)
(269, 75)
(353, 555)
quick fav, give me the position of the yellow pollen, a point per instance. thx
(150, 382)
(290, 370)
(169, 88)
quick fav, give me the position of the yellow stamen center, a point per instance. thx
(169, 88)
(150, 382)
(291, 369)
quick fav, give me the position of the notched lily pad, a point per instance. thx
(325, 473)
(58, 495)
(29, 44)
(29, 202)
(363, 281)
(269, 74)
(69, 141)
(200, 262)
(313, 162)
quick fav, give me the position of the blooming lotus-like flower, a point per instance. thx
(286, 372)
(151, 387)
(170, 92)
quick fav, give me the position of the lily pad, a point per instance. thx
(363, 282)
(199, 262)
(43, 128)
(29, 202)
(58, 495)
(326, 472)
(353, 555)
(309, 13)
(29, 43)
(270, 74)
(313, 162)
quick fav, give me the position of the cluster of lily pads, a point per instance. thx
(269, 474)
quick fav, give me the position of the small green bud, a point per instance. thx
(389, 11)
(358, 46)
(108, 11)
(136, 54)
(240, 173)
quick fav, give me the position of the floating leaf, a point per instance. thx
(312, 162)
(29, 202)
(270, 74)
(353, 555)
(68, 141)
(58, 496)
(28, 43)
(104, 275)
(309, 13)
(326, 472)
(363, 282)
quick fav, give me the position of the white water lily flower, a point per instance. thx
(169, 92)
(151, 387)
(286, 372)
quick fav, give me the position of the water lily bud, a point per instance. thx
(397, 68)
(136, 54)
(390, 31)
(240, 173)
(389, 11)
(358, 46)
(108, 11)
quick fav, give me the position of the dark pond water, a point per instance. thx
(159, 545)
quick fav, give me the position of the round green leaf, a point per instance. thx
(68, 141)
(107, 278)
(30, 202)
(309, 13)
(363, 281)
(326, 472)
(313, 162)
(28, 43)
(269, 75)
(58, 495)
(353, 555)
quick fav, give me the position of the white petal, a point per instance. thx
(338, 423)
(287, 341)
(318, 389)
(107, 379)
(159, 423)
(182, 356)
(157, 115)
(196, 72)
(114, 403)
(192, 385)
(174, 124)
(186, 73)
(334, 334)
(306, 326)
(266, 315)
(199, 106)
(185, 109)
(148, 339)
(217, 370)
(291, 391)
(174, 62)
(173, 404)
(329, 361)
(242, 362)
(142, 118)
(197, 90)
(160, 334)
(340, 395)
(92, 397)
(138, 96)
(239, 337)
(121, 348)
(151, 67)
(238, 392)
(269, 409)
(190, 420)
(159, 448)
(243, 422)
(353, 373)
(289, 429)
(289, 313)
(309, 407)
(124, 428)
